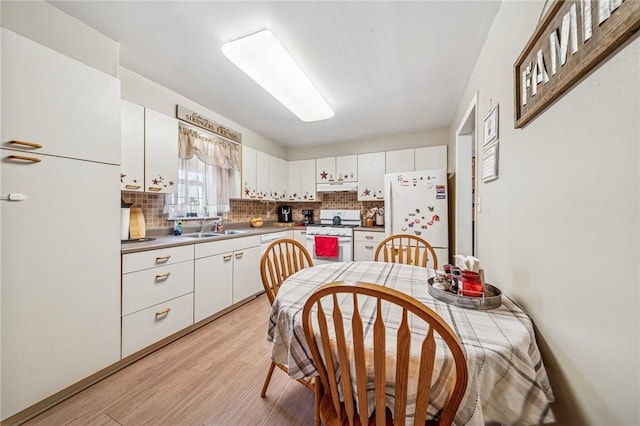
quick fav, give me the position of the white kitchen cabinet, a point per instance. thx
(60, 275)
(401, 160)
(337, 169)
(365, 244)
(161, 153)
(157, 295)
(347, 168)
(371, 169)
(246, 273)
(249, 173)
(143, 328)
(132, 146)
(60, 265)
(431, 157)
(66, 107)
(245, 278)
(278, 178)
(300, 235)
(213, 279)
(302, 181)
(262, 175)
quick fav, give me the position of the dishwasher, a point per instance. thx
(266, 239)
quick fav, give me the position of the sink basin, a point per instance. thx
(201, 235)
(230, 232)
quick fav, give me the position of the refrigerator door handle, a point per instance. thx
(390, 210)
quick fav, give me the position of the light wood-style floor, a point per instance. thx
(212, 376)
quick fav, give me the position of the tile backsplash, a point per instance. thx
(242, 210)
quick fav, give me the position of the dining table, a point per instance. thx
(508, 383)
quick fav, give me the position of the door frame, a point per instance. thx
(466, 133)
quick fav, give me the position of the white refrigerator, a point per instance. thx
(416, 203)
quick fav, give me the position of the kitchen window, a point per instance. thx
(207, 172)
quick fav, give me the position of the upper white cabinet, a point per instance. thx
(262, 175)
(401, 160)
(431, 157)
(337, 169)
(278, 178)
(249, 175)
(302, 181)
(371, 168)
(132, 144)
(161, 153)
(57, 103)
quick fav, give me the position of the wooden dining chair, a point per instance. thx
(339, 318)
(280, 259)
(407, 249)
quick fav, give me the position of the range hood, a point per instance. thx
(337, 187)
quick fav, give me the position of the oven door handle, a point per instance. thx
(340, 239)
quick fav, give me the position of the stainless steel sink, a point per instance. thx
(230, 232)
(201, 235)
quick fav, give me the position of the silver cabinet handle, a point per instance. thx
(163, 276)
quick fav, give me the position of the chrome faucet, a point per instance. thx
(205, 224)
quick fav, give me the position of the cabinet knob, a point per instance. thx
(368, 237)
(129, 186)
(239, 255)
(155, 188)
(369, 247)
(161, 259)
(163, 276)
(227, 258)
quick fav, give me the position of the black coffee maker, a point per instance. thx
(307, 217)
(285, 214)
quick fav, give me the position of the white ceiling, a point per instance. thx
(385, 67)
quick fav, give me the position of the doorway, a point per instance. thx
(465, 234)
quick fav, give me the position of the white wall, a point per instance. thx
(140, 90)
(559, 230)
(47, 25)
(417, 139)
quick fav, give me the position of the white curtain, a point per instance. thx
(209, 163)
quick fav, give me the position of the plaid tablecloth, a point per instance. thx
(507, 379)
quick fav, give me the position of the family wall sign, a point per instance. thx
(571, 40)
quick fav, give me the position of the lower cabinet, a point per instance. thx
(226, 272)
(213, 285)
(157, 296)
(365, 244)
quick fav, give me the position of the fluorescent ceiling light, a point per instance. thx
(264, 59)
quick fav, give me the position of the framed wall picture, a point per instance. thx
(490, 162)
(490, 126)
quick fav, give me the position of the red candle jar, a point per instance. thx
(471, 284)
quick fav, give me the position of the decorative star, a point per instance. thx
(323, 175)
(170, 183)
(122, 175)
(155, 181)
(246, 191)
(366, 192)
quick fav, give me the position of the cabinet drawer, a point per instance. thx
(152, 258)
(369, 236)
(364, 250)
(142, 289)
(146, 327)
(226, 246)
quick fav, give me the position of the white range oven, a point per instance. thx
(332, 239)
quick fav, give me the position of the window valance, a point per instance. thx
(209, 149)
